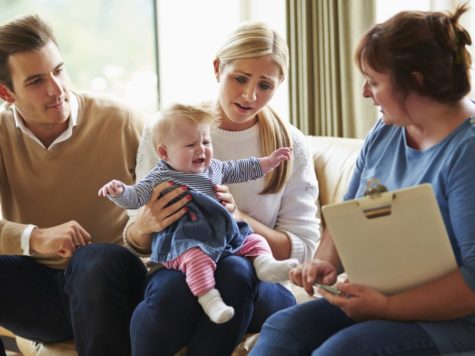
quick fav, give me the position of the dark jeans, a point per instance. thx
(92, 301)
(170, 317)
(318, 328)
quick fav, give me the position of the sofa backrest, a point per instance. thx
(334, 159)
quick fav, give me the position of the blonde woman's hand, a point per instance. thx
(227, 200)
(156, 216)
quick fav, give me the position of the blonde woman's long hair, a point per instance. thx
(253, 40)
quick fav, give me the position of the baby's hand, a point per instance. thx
(113, 188)
(280, 155)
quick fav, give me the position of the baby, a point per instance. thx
(196, 242)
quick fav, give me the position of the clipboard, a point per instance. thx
(391, 241)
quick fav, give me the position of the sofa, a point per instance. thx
(334, 159)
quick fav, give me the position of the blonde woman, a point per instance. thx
(281, 207)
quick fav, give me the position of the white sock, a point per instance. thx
(215, 308)
(270, 270)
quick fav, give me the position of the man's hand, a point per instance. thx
(62, 240)
(113, 188)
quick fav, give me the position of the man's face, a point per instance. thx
(40, 87)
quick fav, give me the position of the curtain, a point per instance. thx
(324, 83)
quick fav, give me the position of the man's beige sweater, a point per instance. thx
(50, 187)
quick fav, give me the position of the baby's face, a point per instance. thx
(189, 147)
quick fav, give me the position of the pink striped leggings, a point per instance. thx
(199, 268)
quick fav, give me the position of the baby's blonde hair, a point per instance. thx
(198, 114)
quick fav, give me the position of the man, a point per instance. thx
(63, 272)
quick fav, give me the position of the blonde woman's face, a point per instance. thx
(245, 87)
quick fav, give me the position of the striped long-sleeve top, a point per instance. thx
(218, 172)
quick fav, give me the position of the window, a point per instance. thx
(108, 46)
(190, 32)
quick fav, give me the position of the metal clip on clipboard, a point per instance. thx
(377, 200)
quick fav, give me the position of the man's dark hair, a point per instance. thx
(22, 34)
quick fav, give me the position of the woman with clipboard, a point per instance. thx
(416, 67)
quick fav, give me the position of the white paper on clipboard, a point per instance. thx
(391, 241)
